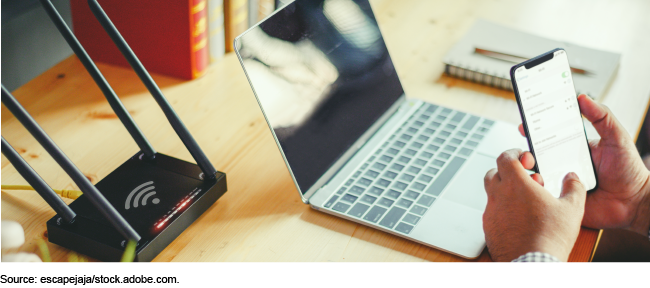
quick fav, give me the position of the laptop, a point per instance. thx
(355, 146)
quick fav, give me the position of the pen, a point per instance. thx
(516, 59)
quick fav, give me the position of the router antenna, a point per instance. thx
(37, 182)
(95, 197)
(113, 100)
(198, 155)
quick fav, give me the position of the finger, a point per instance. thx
(490, 179)
(521, 130)
(573, 190)
(538, 178)
(601, 118)
(527, 160)
(509, 165)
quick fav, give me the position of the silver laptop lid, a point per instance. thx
(322, 75)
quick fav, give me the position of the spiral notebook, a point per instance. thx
(464, 62)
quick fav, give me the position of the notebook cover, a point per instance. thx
(492, 36)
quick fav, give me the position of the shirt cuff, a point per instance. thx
(536, 257)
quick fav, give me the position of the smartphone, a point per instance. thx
(552, 120)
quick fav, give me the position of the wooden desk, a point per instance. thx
(261, 217)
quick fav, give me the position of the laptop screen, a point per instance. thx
(323, 76)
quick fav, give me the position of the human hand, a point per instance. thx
(521, 216)
(622, 199)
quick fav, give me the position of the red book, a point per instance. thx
(168, 36)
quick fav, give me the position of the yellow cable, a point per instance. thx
(70, 194)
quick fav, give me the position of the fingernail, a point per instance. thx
(571, 175)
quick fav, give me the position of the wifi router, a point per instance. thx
(150, 199)
(159, 198)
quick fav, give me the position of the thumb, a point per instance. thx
(600, 117)
(573, 190)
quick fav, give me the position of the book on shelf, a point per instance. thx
(258, 10)
(168, 36)
(216, 36)
(235, 19)
(488, 50)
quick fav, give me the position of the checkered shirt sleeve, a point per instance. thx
(536, 257)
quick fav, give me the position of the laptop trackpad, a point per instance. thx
(467, 187)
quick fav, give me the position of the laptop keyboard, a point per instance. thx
(398, 183)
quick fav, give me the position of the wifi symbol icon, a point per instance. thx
(145, 189)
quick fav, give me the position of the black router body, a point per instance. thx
(151, 198)
(182, 198)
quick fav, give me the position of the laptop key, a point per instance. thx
(372, 174)
(392, 217)
(404, 159)
(397, 167)
(349, 198)
(423, 138)
(390, 175)
(426, 200)
(411, 219)
(386, 202)
(331, 201)
(450, 148)
(439, 140)
(364, 166)
(431, 170)
(358, 210)
(392, 151)
(399, 144)
(414, 170)
(404, 203)
(432, 108)
(386, 158)
(477, 136)
(471, 122)
(417, 145)
(433, 148)
(356, 174)
(375, 214)
(450, 126)
(488, 122)
(349, 182)
(438, 163)
(425, 178)
(356, 190)
(426, 155)
(341, 190)
(444, 134)
(404, 228)
(411, 194)
(465, 151)
(434, 124)
(400, 185)
(378, 166)
(445, 176)
(419, 210)
(393, 194)
(364, 182)
(406, 177)
(412, 130)
(444, 155)
(429, 131)
(461, 135)
(420, 162)
(383, 183)
(376, 191)
(418, 186)
(406, 137)
(341, 207)
(458, 117)
(456, 141)
(368, 199)
(418, 123)
(410, 152)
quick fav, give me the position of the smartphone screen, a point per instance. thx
(552, 120)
